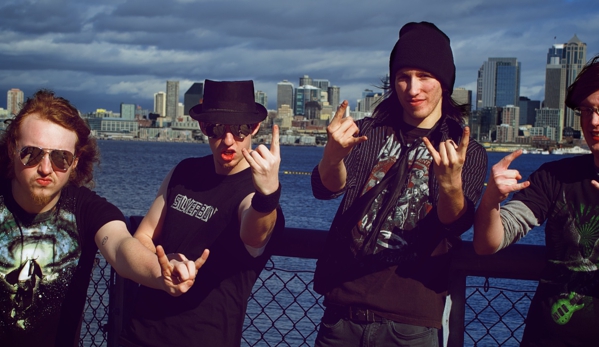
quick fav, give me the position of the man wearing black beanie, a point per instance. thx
(411, 177)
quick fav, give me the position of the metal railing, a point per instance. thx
(284, 310)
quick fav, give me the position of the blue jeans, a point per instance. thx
(342, 332)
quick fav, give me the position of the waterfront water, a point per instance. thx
(131, 172)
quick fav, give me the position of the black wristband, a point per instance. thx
(266, 203)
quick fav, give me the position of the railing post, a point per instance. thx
(457, 295)
(115, 309)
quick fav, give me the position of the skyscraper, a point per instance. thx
(284, 94)
(303, 95)
(192, 97)
(550, 118)
(528, 110)
(574, 58)
(305, 81)
(322, 84)
(498, 82)
(555, 78)
(172, 99)
(127, 111)
(261, 98)
(160, 103)
(14, 101)
(334, 96)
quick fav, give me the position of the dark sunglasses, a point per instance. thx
(216, 131)
(32, 156)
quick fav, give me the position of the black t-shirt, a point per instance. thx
(566, 305)
(202, 210)
(45, 266)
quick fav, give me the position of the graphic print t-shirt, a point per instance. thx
(45, 265)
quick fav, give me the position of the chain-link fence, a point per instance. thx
(283, 309)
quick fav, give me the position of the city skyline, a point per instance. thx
(102, 54)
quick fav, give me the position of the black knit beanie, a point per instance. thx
(423, 46)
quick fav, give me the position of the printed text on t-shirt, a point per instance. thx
(193, 208)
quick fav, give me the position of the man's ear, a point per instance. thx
(256, 129)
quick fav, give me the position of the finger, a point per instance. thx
(247, 154)
(163, 260)
(181, 272)
(274, 145)
(202, 259)
(595, 184)
(431, 149)
(505, 162)
(340, 111)
(463, 147)
(520, 186)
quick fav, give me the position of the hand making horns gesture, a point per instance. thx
(342, 135)
(503, 181)
(178, 272)
(265, 164)
(449, 160)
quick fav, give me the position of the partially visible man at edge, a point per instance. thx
(565, 195)
(411, 177)
(52, 226)
(227, 201)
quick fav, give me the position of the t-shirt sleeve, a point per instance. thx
(94, 211)
(529, 207)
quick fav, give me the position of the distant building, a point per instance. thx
(261, 98)
(462, 96)
(574, 59)
(14, 101)
(321, 84)
(553, 118)
(498, 83)
(127, 111)
(172, 99)
(284, 117)
(114, 126)
(555, 78)
(160, 103)
(483, 123)
(528, 110)
(510, 117)
(369, 101)
(284, 94)
(312, 110)
(192, 97)
(303, 95)
(305, 81)
(334, 96)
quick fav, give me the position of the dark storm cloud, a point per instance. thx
(102, 53)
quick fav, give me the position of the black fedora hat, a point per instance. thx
(228, 102)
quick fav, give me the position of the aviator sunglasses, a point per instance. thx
(216, 131)
(32, 156)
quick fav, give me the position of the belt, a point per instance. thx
(356, 314)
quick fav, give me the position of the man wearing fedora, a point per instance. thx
(411, 177)
(228, 203)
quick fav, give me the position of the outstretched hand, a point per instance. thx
(503, 181)
(178, 272)
(449, 160)
(342, 135)
(265, 164)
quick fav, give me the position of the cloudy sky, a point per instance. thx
(99, 53)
